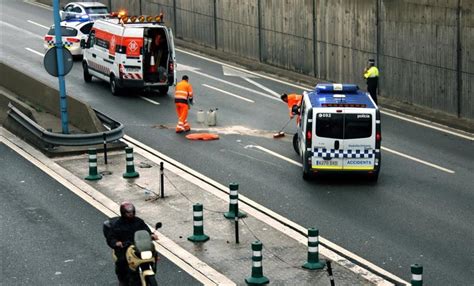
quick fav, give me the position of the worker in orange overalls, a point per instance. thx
(183, 96)
(292, 100)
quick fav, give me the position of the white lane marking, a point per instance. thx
(262, 87)
(308, 88)
(443, 128)
(229, 93)
(196, 71)
(37, 24)
(23, 31)
(429, 124)
(418, 160)
(149, 100)
(227, 71)
(265, 215)
(383, 148)
(168, 248)
(34, 52)
(41, 5)
(274, 154)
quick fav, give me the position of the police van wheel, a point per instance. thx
(87, 75)
(114, 88)
(295, 143)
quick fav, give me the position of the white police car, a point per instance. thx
(339, 131)
(72, 33)
(84, 11)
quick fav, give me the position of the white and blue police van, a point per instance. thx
(339, 131)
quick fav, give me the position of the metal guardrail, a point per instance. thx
(57, 139)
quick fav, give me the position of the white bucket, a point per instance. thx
(211, 119)
(201, 116)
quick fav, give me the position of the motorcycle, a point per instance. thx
(141, 255)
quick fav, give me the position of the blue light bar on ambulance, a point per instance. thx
(336, 88)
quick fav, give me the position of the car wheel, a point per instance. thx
(306, 168)
(114, 88)
(87, 75)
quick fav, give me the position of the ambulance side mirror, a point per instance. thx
(83, 44)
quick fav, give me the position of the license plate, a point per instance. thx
(326, 163)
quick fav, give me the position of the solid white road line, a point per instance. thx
(41, 5)
(265, 215)
(308, 88)
(418, 160)
(23, 31)
(150, 101)
(428, 124)
(34, 52)
(383, 148)
(229, 93)
(37, 24)
(167, 247)
(416, 120)
(262, 87)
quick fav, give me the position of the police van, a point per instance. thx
(339, 131)
(120, 50)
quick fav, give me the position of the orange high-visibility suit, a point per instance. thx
(294, 99)
(183, 93)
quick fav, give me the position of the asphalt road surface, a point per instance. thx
(49, 236)
(420, 211)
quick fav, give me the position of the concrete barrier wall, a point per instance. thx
(424, 49)
(46, 98)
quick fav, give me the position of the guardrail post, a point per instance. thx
(416, 275)
(313, 252)
(198, 225)
(104, 137)
(162, 180)
(233, 202)
(257, 277)
(130, 171)
(93, 173)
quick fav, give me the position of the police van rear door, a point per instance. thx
(359, 139)
(328, 142)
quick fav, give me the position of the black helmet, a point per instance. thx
(126, 208)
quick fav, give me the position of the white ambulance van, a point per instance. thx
(339, 131)
(120, 50)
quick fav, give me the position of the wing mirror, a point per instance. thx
(84, 44)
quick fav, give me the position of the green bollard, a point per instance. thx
(257, 277)
(198, 225)
(233, 202)
(313, 251)
(130, 171)
(416, 275)
(93, 173)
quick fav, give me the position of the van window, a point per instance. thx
(330, 125)
(357, 126)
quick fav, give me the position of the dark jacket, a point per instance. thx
(124, 230)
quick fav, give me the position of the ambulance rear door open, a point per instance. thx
(344, 139)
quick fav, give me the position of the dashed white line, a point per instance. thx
(418, 160)
(149, 100)
(262, 87)
(38, 24)
(383, 148)
(229, 93)
(35, 52)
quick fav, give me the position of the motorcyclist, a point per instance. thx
(121, 236)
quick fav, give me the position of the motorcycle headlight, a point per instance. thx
(146, 254)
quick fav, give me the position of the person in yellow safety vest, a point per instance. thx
(292, 100)
(371, 74)
(183, 96)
